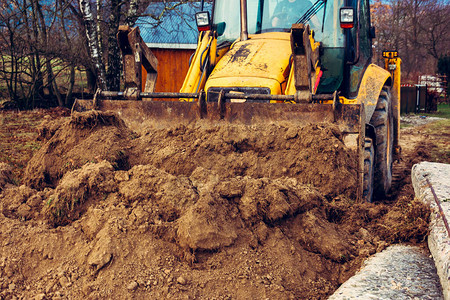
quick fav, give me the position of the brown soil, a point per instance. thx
(195, 211)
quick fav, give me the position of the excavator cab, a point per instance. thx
(345, 49)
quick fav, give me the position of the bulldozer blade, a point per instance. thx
(169, 113)
(346, 117)
(137, 113)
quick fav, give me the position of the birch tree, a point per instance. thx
(93, 43)
(114, 59)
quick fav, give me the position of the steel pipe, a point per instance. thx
(244, 24)
(321, 97)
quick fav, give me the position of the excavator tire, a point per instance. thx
(382, 120)
(369, 157)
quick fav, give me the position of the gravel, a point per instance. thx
(417, 120)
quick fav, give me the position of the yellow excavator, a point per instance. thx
(259, 61)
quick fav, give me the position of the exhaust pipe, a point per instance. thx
(244, 26)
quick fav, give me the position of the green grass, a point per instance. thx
(60, 70)
(405, 125)
(443, 111)
(439, 131)
(442, 126)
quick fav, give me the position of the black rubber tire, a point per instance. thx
(369, 161)
(382, 120)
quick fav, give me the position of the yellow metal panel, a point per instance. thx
(194, 75)
(250, 60)
(290, 86)
(274, 85)
(393, 64)
(370, 88)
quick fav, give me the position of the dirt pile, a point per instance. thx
(81, 139)
(197, 211)
(312, 154)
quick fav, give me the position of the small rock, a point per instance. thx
(99, 258)
(181, 280)
(39, 296)
(364, 252)
(121, 176)
(365, 235)
(291, 133)
(64, 282)
(132, 286)
(87, 289)
(12, 287)
(24, 211)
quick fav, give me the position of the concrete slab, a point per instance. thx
(398, 272)
(426, 177)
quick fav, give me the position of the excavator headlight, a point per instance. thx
(347, 17)
(203, 21)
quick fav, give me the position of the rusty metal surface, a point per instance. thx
(138, 112)
(122, 96)
(348, 117)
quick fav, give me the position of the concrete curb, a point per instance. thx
(405, 272)
(438, 175)
(398, 272)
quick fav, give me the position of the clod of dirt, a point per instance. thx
(48, 127)
(272, 200)
(208, 225)
(318, 235)
(86, 137)
(200, 211)
(20, 202)
(102, 253)
(5, 175)
(67, 201)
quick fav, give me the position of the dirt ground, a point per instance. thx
(94, 210)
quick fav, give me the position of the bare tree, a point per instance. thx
(418, 29)
(41, 39)
(92, 38)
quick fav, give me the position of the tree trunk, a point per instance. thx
(92, 38)
(114, 60)
(91, 80)
(132, 13)
(36, 56)
(99, 26)
(68, 99)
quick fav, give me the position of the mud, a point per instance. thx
(196, 211)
